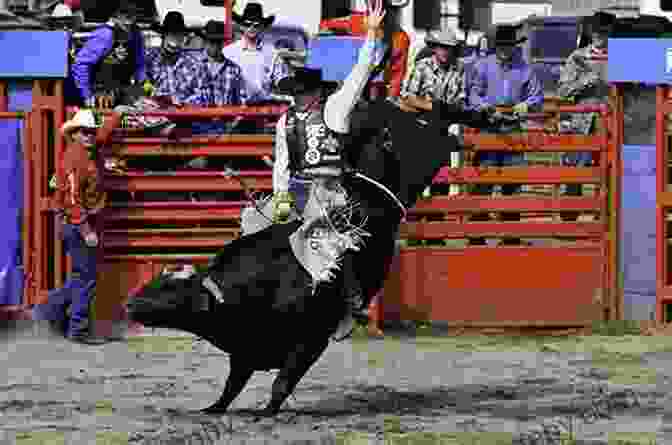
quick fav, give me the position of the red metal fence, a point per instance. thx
(549, 284)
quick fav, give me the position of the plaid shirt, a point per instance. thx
(261, 70)
(428, 78)
(179, 80)
(223, 81)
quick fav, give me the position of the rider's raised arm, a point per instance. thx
(340, 104)
(281, 155)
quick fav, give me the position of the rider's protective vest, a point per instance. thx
(113, 72)
(311, 144)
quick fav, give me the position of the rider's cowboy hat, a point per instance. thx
(303, 79)
(507, 35)
(127, 9)
(213, 30)
(442, 38)
(602, 21)
(172, 22)
(253, 12)
(82, 119)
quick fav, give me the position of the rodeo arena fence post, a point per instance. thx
(545, 284)
(566, 276)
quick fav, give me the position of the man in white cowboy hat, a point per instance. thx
(80, 198)
(504, 79)
(439, 77)
(261, 70)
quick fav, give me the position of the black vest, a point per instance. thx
(310, 142)
(112, 72)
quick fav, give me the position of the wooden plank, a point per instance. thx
(519, 175)
(447, 230)
(211, 149)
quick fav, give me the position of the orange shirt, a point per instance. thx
(80, 191)
(395, 71)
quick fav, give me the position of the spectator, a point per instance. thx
(438, 77)
(260, 70)
(584, 79)
(80, 198)
(286, 49)
(170, 70)
(504, 79)
(223, 84)
(111, 58)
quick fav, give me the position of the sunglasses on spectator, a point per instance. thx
(251, 24)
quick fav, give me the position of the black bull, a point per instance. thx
(270, 316)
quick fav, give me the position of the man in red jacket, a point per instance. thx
(80, 198)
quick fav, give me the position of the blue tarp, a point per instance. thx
(11, 195)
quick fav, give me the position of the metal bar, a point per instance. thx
(177, 240)
(210, 113)
(211, 149)
(535, 142)
(188, 181)
(40, 142)
(230, 139)
(28, 208)
(662, 110)
(447, 230)
(520, 324)
(149, 258)
(176, 215)
(61, 263)
(442, 204)
(519, 175)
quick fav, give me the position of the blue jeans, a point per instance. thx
(77, 290)
(301, 190)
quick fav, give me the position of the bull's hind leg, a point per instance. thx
(238, 376)
(297, 364)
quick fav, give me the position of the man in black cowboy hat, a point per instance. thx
(223, 77)
(111, 58)
(309, 138)
(261, 70)
(170, 69)
(504, 79)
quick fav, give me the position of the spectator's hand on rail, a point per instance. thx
(148, 88)
(91, 239)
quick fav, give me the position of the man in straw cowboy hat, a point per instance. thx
(80, 198)
(504, 79)
(583, 79)
(112, 57)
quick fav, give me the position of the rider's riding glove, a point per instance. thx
(282, 206)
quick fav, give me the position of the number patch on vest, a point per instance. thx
(313, 156)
